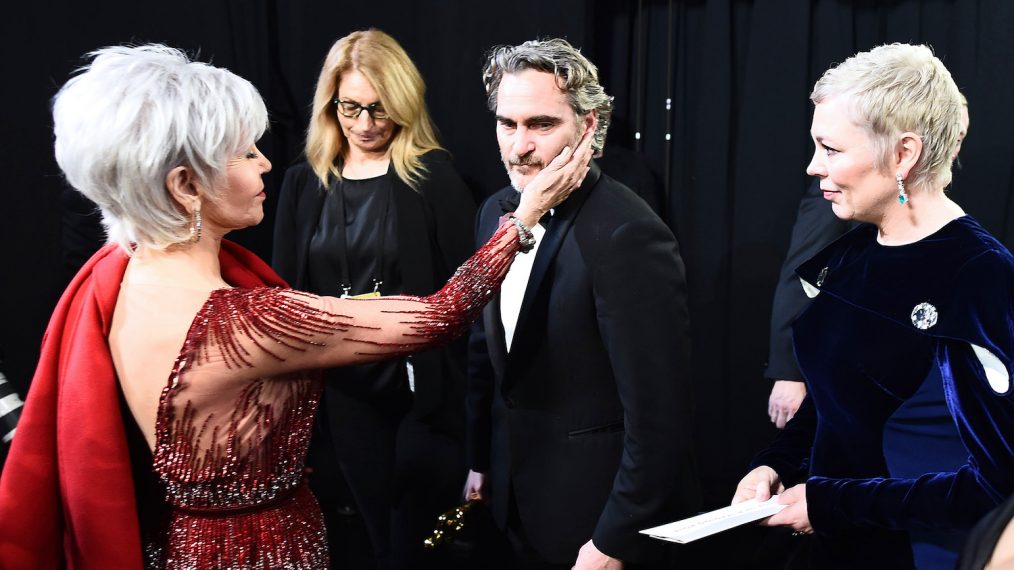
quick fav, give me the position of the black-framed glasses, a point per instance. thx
(352, 110)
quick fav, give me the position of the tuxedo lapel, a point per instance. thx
(496, 341)
(556, 233)
(492, 323)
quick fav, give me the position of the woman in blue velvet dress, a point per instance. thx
(920, 290)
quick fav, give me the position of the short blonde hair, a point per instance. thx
(401, 89)
(897, 88)
(135, 113)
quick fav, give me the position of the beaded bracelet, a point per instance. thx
(525, 235)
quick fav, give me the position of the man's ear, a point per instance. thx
(591, 123)
(591, 120)
(184, 189)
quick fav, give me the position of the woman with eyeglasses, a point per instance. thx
(378, 208)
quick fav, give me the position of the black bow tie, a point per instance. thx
(510, 203)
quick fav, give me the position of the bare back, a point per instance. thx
(149, 326)
(224, 384)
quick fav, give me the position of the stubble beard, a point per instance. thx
(516, 178)
(530, 160)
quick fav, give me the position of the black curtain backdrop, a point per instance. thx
(713, 93)
(735, 144)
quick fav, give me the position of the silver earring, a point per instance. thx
(195, 226)
(902, 195)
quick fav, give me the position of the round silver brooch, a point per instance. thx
(924, 316)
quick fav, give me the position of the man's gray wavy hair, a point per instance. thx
(576, 76)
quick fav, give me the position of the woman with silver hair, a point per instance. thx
(919, 291)
(216, 364)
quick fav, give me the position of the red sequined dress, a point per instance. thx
(234, 421)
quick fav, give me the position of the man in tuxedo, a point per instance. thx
(579, 381)
(816, 226)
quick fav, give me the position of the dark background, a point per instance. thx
(730, 147)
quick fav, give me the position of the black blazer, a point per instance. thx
(434, 237)
(815, 227)
(588, 418)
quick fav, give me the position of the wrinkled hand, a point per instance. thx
(795, 515)
(786, 396)
(758, 484)
(590, 558)
(556, 181)
(475, 486)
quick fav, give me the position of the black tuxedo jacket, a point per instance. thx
(587, 419)
(815, 227)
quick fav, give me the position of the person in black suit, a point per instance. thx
(579, 411)
(816, 226)
(378, 207)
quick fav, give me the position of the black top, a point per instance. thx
(432, 225)
(361, 249)
(364, 243)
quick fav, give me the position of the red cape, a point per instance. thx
(67, 495)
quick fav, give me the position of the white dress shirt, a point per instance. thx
(512, 292)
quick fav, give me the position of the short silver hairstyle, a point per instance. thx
(897, 88)
(135, 113)
(577, 77)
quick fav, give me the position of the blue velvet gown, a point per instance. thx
(886, 318)
(921, 437)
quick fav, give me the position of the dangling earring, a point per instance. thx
(902, 195)
(195, 226)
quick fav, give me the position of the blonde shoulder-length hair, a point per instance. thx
(401, 89)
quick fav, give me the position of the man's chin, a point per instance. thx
(519, 182)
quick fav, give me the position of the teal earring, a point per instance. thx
(902, 195)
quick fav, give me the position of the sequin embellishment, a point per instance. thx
(924, 316)
(821, 277)
(230, 452)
